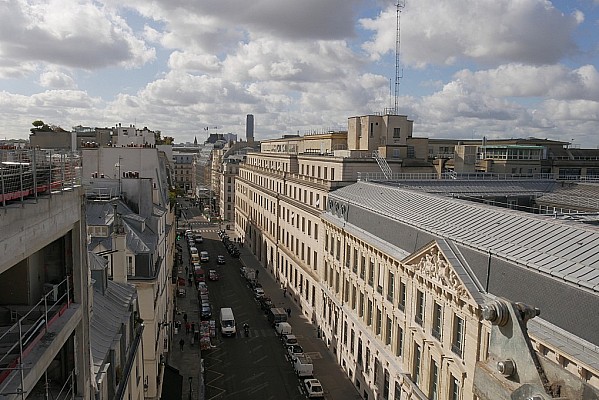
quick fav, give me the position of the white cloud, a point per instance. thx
(492, 33)
(517, 80)
(188, 61)
(69, 33)
(56, 79)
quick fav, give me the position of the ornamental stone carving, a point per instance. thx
(436, 268)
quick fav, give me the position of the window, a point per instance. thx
(390, 286)
(371, 272)
(388, 331)
(129, 265)
(359, 351)
(397, 391)
(396, 132)
(457, 343)
(455, 388)
(434, 381)
(363, 267)
(355, 261)
(369, 313)
(419, 316)
(361, 305)
(379, 321)
(399, 339)
(416, 366)
(402, 296)
(437, 321)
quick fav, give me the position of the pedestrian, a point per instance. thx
(285, 292)
(288, 312)
(257, 272)
(193, 327)
(181, 343)
(187, 328)
(186, 270)
(185, 317)
(189, 281)
(192, 340)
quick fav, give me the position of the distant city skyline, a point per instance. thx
(502, 69)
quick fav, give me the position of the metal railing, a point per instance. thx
(27, 173)
(19, 339)
(479, 176)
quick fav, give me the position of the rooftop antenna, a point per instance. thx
(398, 69)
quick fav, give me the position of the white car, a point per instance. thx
(313, 388)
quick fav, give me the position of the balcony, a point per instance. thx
(32, 336)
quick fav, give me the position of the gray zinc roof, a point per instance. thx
(567, 251)
(110, 311)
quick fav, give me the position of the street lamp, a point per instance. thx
(190, 380)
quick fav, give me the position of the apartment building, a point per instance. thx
(43, 277)
(406, 274)
(115, 336)
(281, 191)
(394, 287)
(144, 256)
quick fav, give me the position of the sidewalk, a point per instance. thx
(187, 361)
(335, 382)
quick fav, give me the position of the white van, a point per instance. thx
(193, 250)
(227, 322)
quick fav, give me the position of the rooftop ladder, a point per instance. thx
(382, 164)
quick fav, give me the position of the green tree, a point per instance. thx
(40, 126)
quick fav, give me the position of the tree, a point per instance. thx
(40, 126)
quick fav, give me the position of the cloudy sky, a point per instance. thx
(471, 68)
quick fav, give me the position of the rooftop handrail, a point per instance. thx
(36, 322)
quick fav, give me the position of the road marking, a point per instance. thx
(315, 355)
(258, 360)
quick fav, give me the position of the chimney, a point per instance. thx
(119, 247)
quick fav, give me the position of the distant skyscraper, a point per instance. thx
(249, 128)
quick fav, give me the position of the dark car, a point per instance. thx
(206, 312)
(220, 259)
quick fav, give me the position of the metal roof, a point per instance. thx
(110, 311)
(565, 250)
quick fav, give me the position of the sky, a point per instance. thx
(188, 68)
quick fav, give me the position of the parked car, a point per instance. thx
(258, 292)
(220, 259)
(265, 303)
(198, 238)
(294, 350)
(206, 312)
(288, 339)
(283, 328)
(313, 388)
(303, 366)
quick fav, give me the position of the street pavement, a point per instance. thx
(334, 381)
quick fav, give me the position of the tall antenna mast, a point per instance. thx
(398, 69)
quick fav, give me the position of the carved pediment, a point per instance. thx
(432, 265)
